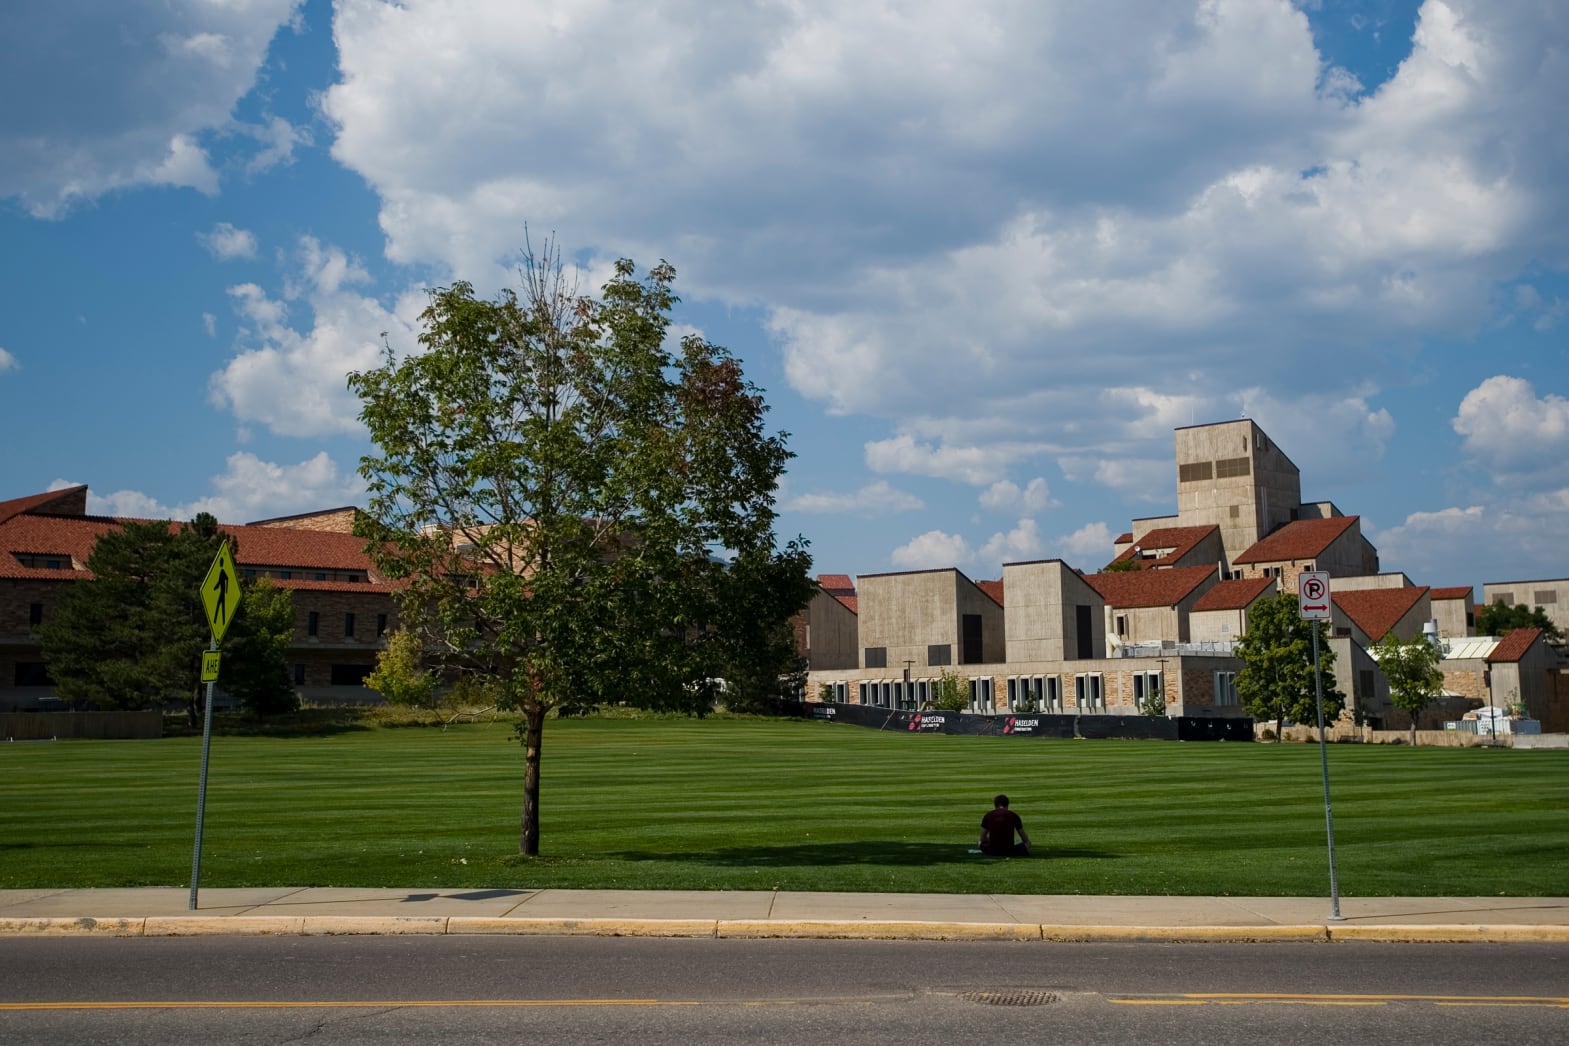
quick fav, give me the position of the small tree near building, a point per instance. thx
(950, 693)
(577, 513)
(1413, 669)
(1276, 681)
(400, 674)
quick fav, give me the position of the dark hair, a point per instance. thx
(1001, 800)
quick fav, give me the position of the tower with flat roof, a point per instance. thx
(1232, 475)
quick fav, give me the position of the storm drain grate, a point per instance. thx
(1011, 998)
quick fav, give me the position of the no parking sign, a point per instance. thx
(1313, 595)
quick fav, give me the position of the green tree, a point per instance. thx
(255, 669)
(1276, 681)
(1412, 667)
(576, 512)
(132, 635)
(950, 693)
(400, 674)
(1500, 619)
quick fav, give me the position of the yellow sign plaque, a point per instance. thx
(221, 592)
(210, 666)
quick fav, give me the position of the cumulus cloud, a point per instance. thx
(225, 242)
(933, 550)
(131, 106)
(292, 379)
(874, 499)
(279, 139)
(1518, 437)
(1505, 539)
(7, 361)
(249, 488)
(1023, 542)
(1091, 544)
(1007, 498)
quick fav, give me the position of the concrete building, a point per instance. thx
(927, 619)
(1550, 597)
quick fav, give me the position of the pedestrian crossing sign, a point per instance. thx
(221, 592)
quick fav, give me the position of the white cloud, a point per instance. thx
(1091, 545)
(874, 499)
(293, 381)
(131, 106)
(278, 138)
(1006, 498)
(975, 465)
(1515, 435)
(7, 361)
(248, 489)
(1504, 539)
(933, 550)
(225, 242)
(210, 324)
(1021, 543)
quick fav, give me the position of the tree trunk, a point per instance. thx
(534, 733)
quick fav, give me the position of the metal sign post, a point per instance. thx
(1313, 604)
(221, 597)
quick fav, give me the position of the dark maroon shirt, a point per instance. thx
(999, 826)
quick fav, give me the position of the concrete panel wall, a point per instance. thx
(1042, 619)
(1245, 507)
(833, 634)
(906, 613)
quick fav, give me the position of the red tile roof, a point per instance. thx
(1459, 592)
(1234, 595)
(37, 502)
(836, 584)
(1180, 540)
(1514, 645)
(993, 589)
(1376, 610)
(1299, 539)
(851, 602)
(1149, 588)
(1123, 538)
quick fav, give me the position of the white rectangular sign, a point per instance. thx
(1313, 595)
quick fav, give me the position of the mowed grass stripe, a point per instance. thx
(755, 804)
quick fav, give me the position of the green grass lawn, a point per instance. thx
(749, 804)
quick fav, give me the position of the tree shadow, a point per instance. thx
(867, 852)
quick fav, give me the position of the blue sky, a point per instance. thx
(983, 257)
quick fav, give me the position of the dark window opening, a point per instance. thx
(32, 673)
(381, 624)
(939, 654)
(299, 675)
(312, 623)
(876, 657)
(971, 635)
(1085, 635)
(35, 614)
(349, 675)
(348, 626)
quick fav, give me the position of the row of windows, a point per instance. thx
(313, 625)
(351, 576)
(44, 560)
(1225, 468)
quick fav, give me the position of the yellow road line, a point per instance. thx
(1308, 999)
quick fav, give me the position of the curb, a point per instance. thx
(761, 929)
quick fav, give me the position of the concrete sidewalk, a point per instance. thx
(164, 912)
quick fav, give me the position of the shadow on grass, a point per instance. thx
(870, 852)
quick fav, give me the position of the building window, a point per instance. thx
(1364, 683)
(1122, 624)
(312, 623)
(861, 694)
(1194, 472)
(299, 675)
(1034, 694)
(1146, 687)
(349, 675)
(972, 649)
(35, 614)
(348, 626)
(1089, 692)
(32, 673)
(876, 657)
(1226, 468)
(1225, 689)
(381, 625)
(939, 654)
(980, 693)
(354, 578)
(286, 575)
(1548, 596)
(1506, 598)
(320, 576)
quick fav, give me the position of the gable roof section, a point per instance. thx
(992, 589)
(836, 584)
(1149, 588)
(1179, 540)
(1234, 595)
(1376, 610)
(1299, 539)
(1513, 646)
(1458, 592)
(70, 501)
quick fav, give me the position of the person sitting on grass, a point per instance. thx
(997, 830)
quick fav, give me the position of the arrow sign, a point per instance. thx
(1313, 595)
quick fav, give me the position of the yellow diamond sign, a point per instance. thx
(221, 592)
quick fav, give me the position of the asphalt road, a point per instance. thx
(392, 990)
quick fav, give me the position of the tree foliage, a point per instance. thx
(1276, 681)
(950, 693)
(132, 636)
(255, 670)
(579, 514)
(1500, 619)
(400, 674)
(1412, 667)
